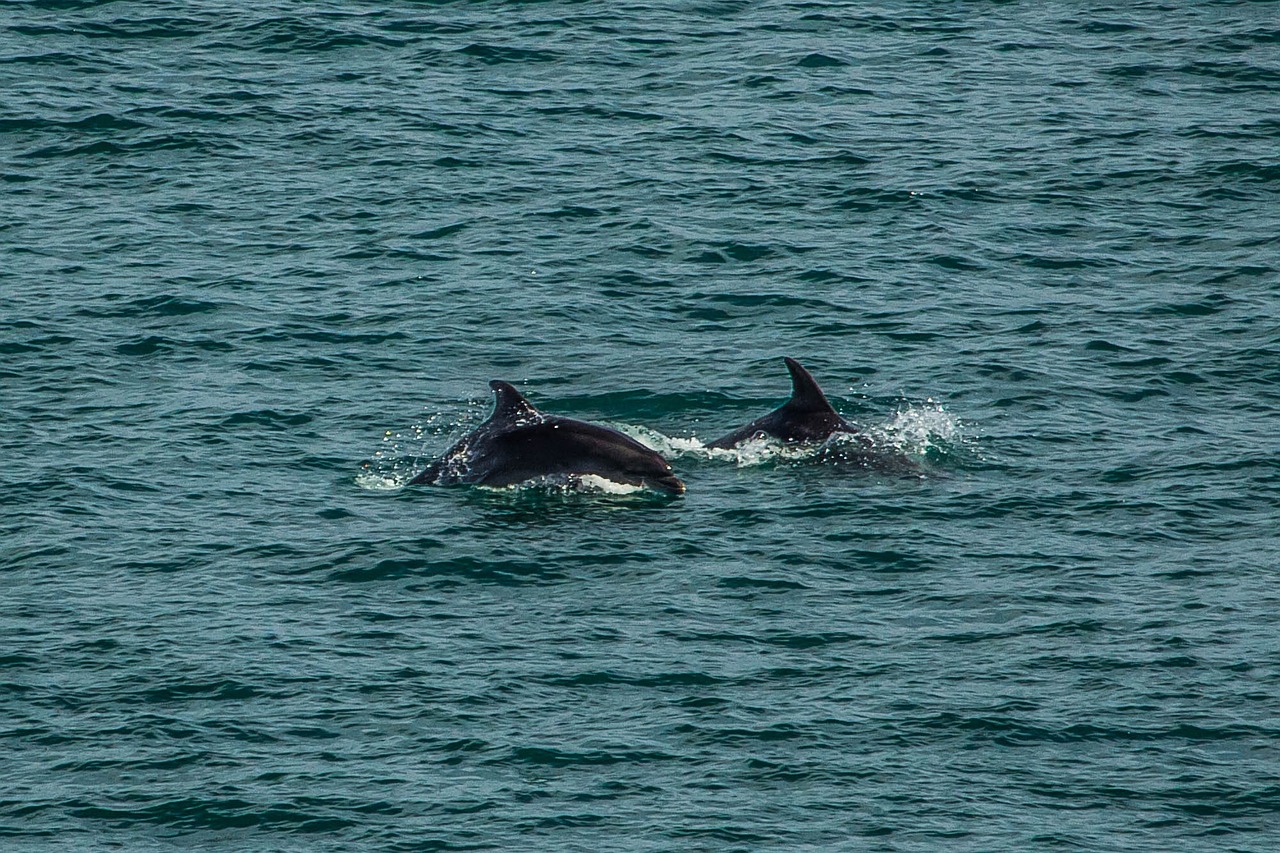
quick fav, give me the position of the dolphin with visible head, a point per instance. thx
(806, 418)
(518, 443)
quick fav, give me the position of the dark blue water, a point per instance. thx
(259, 261)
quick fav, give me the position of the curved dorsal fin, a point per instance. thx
(508, 403)
(805, 393)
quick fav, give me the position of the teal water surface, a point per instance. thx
(258, 263)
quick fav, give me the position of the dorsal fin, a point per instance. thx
(805, 393)
(509, 404)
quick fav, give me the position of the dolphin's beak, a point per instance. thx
(671, 484)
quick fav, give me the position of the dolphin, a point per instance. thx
(518, 443)
(806, 418)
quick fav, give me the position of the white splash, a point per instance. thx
(756, 451)
(667, 445)
(401, 456)
(916, 429)
(376, 482)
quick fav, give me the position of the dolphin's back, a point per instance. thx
(504, 453)
(561, 446)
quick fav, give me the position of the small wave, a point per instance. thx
(152, 344)
(820, 60)
(496, 55)
(294, 34)
(95, 123)
(205, 143)
(165, 305)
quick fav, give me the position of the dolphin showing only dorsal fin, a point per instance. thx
(806, 396)
(509, 404)
(518, 444)
(807, 417)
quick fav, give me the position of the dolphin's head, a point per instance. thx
(620, 457)
(669, 484)
(641, 465)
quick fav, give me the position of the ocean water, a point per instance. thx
(259, 261)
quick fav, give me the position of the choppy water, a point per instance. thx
(258, 262)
